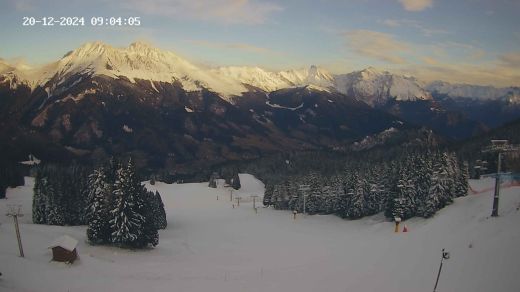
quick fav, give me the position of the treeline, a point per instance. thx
(60, 195)
(411, 184)
(110, 200)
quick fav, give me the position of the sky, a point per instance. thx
(460, 41)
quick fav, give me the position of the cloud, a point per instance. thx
(234, 46)
(485, 74)
(376, 45)
(430, 61)
(416, 5)
(220, 11)
(510, 60)
(426, 31)
(19, 5)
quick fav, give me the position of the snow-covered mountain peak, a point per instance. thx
(270, 81)
(370, 72)
(90, 49)
(138, 61)
(377, 87)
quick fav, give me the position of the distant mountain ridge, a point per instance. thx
(474, 91)
(142, 61)
(98, 101)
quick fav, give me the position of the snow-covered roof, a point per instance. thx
(65, 242)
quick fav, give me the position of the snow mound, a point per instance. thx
(65, 242)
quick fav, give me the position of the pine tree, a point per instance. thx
(462, 180)
(268, 194)
(149, 210)
(127, 224)
(435, 194)
(213, 180)
(38, 207)
(235, 182)
(159, 214)
(356, 207)
(98, 230)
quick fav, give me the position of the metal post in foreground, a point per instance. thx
(304, 189)
(500, 147)
(254, 200)
(496, 196)
(14, 211)
(445, 256)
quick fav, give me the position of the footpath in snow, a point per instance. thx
(211, 246)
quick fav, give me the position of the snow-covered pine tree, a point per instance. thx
(97, 215)
(38, 207)
(159, 214)
(344, 198)
(54, 204)
(423, 170)
(269, 187)
(435, 196)
(149, 235)
(463, 179)
(334, 193)
(397, 207)
(292, 192)
(127, 223)
(356, 207)
(449, 170)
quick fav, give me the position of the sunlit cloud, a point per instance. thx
(416, 5)
(486, 74)
(376, 45)
(220, 11)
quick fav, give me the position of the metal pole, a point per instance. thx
(304, 203)
(439, 273)
(254, 200)
(494, 213)
(231, 195)
(15, 217)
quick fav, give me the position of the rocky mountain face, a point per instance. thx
(486, 104)
(99, 101)
(474, 91)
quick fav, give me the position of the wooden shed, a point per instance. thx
(64, 249)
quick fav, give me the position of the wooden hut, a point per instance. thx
(64, 249)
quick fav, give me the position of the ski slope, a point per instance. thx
(211, 246)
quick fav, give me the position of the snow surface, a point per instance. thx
(271, 81)
(211, 246)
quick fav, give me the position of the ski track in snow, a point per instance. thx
(211, 246)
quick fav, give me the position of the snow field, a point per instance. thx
(211, 246)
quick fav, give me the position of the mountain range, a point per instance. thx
(99, 100)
